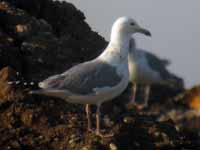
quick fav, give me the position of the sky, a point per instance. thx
(174, 24)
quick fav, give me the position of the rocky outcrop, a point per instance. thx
(45, 37)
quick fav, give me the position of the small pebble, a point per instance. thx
(73, 136)
(40, 137)
(71, 141)
(32, 83)
(17, 82)
(128, 120)
(85, 148)
(112, 146)
(10, 82)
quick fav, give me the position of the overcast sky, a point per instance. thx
(175, 27)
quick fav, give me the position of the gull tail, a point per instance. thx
(175, 82)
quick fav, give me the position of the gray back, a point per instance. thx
(83, 78)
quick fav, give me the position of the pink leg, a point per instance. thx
(147, 93)
(98, 124)
(88, 113)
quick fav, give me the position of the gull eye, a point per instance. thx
(132, 23)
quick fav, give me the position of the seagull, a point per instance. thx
(99, 80)
(147, 69)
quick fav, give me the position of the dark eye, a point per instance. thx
(132, 23)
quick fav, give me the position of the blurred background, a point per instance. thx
(175, 27)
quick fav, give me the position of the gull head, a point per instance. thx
(128, 26)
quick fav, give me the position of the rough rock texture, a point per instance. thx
(41, 38)
(187, 114)
(191, 97)
(46, 37)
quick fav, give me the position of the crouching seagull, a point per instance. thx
(147, 69)
(98, 80)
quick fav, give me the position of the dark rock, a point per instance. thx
(54, 31)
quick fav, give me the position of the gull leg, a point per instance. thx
(133, 97)
(147, 89)
(88, 113)
(147, 93)
(98, 124)
(132, 102)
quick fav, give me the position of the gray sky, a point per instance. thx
(175, 27)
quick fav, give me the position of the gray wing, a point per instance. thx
(160, 65)
(84, 78)
(158, 61)
(157, 64)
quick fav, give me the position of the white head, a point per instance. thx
(124, 27)
(118, 48)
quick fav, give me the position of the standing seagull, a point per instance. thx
(98, 80)
(146, 69)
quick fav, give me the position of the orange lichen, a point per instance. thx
(194, 102)
(192, 98)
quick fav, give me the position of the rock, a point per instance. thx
(7, 74)
(112, 146)
(6, 91)
(43, 31)
(16, 145)
(191, 97)
(128, 120)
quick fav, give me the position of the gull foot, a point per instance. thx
(135, 105)
(141, 106)
(104, 135)
(91, 130)
(130, 106)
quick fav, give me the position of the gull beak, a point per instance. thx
(144, 31)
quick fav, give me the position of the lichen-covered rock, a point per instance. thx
(186, 113)
(191, 97)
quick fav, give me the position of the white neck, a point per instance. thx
(117, 49)
(119, 39)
